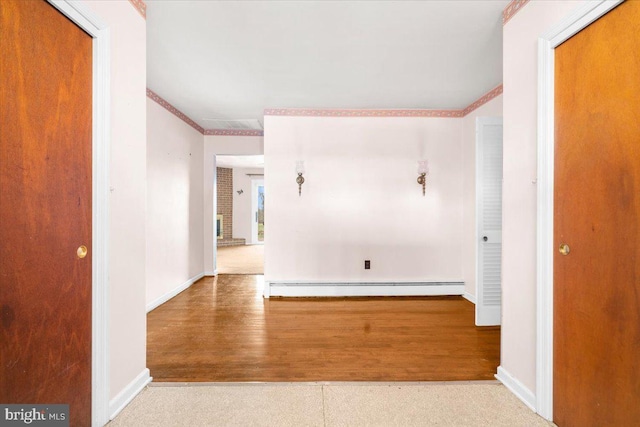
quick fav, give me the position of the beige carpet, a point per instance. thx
(331, 404)
(245, 259)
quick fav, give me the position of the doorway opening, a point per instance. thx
(257, 202)
(243, 337)
(240, 214)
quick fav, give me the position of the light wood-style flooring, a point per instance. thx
(221, 329)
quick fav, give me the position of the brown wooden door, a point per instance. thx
(45, 208)
(597, 214)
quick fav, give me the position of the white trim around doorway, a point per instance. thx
(572, 24)
(255, 183)
(99, 31)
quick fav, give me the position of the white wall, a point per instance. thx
(220, 145)
(492, 108)
(175, 240)
(243, 216)
(360, 199)
(128, 182)
(520, 43)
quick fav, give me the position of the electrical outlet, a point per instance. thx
(367, 264)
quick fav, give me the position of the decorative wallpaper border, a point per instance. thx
(221, 132)
(140, 6)
(164, 103)
(309, 112)
(234, 132)
(512, 8)
(483, 100)
(360, 113)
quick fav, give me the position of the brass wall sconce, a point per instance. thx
(300, 178)
(423, 170)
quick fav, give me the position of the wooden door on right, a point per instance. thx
(596, 374)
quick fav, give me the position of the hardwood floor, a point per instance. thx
(221, 329)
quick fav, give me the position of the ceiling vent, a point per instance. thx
(252, 124)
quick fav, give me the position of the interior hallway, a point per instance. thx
(221, 329)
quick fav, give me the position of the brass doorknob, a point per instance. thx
(564, 249)
(82, 251)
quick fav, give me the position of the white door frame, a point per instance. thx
(572, 24)
(255, 183)
(99, 31)
(214, 249)
(480, 122)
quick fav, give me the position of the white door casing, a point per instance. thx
(489, 220)
(255, 183)
(214, 249)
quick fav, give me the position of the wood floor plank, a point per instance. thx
(221, 329)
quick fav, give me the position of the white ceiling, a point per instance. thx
(245, 162)
(220, 61)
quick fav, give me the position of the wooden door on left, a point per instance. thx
(45, 208)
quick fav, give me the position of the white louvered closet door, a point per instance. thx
(489, 220)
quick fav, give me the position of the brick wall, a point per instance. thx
(225, 200)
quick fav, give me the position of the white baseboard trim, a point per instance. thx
(118, 403)
(517, 388)
(346, 289)
(266, 291)
(211, 273)
(166, 297)
(469, 297)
